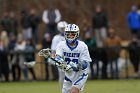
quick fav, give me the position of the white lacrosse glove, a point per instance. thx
(60, 62)
(72, 67)
(68, 68)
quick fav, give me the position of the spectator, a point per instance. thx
(99, 25)
(4, 38)
(13, 24)
(51, 17)
(34, 20)
(11, 47)
(46, 43)
(133, 19)
(26, 25)
(91, 43)
(30, 56)
(134, 49)
(4, 65)
(19, 58)
(5, 22)
(97, 55)
(57, 39)
(112, 45)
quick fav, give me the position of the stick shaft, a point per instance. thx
(45, 62)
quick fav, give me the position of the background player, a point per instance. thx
(57, 38)
(76, 57)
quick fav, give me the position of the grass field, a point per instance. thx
(95, 86)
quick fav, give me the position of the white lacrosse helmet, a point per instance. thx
(61, 26)
(71, 33)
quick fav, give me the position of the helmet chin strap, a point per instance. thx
(74, 41)
(71, 43)
(72, 46)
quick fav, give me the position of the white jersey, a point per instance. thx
(56, 40)
(77, 54)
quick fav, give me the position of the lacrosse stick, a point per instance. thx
(47, 54)
(44, 52)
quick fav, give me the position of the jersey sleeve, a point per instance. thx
(54, 43)
(85, 56)
(59, 50)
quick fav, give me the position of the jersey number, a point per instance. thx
(68, 60)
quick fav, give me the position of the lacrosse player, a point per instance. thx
(72, 57)
(57, 38)
(76, 57)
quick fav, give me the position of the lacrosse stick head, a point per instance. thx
(45, 52)
(29, 64)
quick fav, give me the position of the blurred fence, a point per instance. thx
(99, 56)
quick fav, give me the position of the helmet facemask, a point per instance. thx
(71, 33)
(71, 36)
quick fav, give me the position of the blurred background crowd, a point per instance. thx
(110, 28)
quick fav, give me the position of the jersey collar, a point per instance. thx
(72, 48)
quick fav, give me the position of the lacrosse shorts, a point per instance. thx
(79, 83)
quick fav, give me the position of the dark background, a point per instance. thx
(77, 11)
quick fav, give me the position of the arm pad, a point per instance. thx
(84, 65)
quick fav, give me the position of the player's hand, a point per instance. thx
(59, 65)
(60, 61)
(72, 66)
(68, 68)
